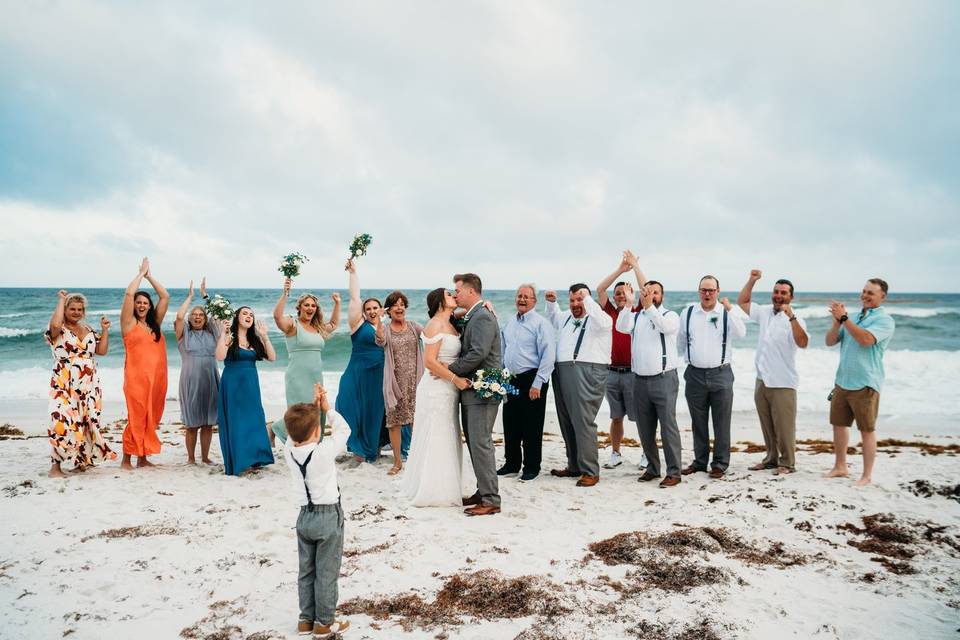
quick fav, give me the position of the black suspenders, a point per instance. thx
(303, 472)
(583, 329)
(663, 342)
(723, 347)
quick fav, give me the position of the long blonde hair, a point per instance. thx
(317, 320)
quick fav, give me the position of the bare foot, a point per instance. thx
(191, 461)
(56, 472)
(358, 458)
(143, 462)
(836, 473)
(394, 470)
(208, 461)
(862, 482)
(126, 466)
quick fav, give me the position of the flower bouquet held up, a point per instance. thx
(219, 307)
(493, 383)
(359, 245)
(290, 265)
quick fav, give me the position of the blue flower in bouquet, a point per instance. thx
(494, 383)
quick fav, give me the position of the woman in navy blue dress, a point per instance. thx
(243, 432)
(360, 394)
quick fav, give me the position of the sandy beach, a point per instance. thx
(184, 551)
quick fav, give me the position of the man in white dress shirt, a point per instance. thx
(775, 394)
(653, 332)
(706, 330)
(584, 339)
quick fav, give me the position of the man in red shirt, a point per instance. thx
(619, 391)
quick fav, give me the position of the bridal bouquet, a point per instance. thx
(359, 245)
(219, 307)
(290, 265)
(494, 383)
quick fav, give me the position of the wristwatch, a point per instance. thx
(792, 318)
(843, 318)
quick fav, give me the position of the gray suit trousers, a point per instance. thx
(655, 399)
(478, 420)
(710, 392)
(578, 389)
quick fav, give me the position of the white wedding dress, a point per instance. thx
(432, 475)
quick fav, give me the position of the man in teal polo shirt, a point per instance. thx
(856, 393)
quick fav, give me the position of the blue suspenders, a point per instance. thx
(723, 347)
(583, 329)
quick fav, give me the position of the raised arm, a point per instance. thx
(634, 263)
(127, 319)
(335, 314)
(355, 306)
(182, 312)
(103, 343)
(56, 318)
(284, 322)
(743, 300)
(799, 332)
(601, 320)
(738, 328)
(261, 330)
(627, 319)
(552, 308)
(223, 341)
(604, 284)
(837, 310)
(164, 298)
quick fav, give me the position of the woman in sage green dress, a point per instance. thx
(305, 336)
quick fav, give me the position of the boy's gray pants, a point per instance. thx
(320, 545)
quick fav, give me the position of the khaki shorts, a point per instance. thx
(861, 405)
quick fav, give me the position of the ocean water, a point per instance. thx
(922, 361)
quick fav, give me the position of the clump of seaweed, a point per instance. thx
(139, 531)
(924, 489)
(894, 543)
(484, 594)
(646, 630)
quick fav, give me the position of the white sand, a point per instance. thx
(231, 541)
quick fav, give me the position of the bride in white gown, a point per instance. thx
(432, 475)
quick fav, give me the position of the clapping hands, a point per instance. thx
(837, 310)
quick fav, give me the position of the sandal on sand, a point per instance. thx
(761, 467)
(782, 471)
(394, 471)
(330, 630)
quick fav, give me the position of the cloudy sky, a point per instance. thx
(524, 140)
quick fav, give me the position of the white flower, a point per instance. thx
(496, 387)
(506, 373)
(485, 385)
(477, 385)
(480, 373)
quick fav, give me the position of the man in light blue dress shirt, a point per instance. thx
(856, 392)
(528, 343)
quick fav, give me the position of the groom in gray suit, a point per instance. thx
(480, 349)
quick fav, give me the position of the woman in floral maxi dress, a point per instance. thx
(76, 397)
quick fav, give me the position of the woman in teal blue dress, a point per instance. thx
(306, 335)
(360, 394)
(243, 435)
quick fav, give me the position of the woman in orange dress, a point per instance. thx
(144, 369)
(76, 397)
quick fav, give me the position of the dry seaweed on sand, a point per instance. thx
(139, 531)
(924, 489)
(8, 430)
(892, 543)
(645, 630)
(485, 594)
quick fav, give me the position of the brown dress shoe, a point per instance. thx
(670, 481)
(564, 473)
(305, 627)
(691, 469)
(647, 477)
(716, 473)
(472, 500)
(482, 510)
(587, 481)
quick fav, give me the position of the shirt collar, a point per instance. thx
(476, 304)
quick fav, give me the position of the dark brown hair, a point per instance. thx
(151, 316)
(472, 280)
(301, 419)
(394, 297)
(233, 351)
(714, 278)
(435, 301)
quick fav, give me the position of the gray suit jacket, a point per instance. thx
(479, 349)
